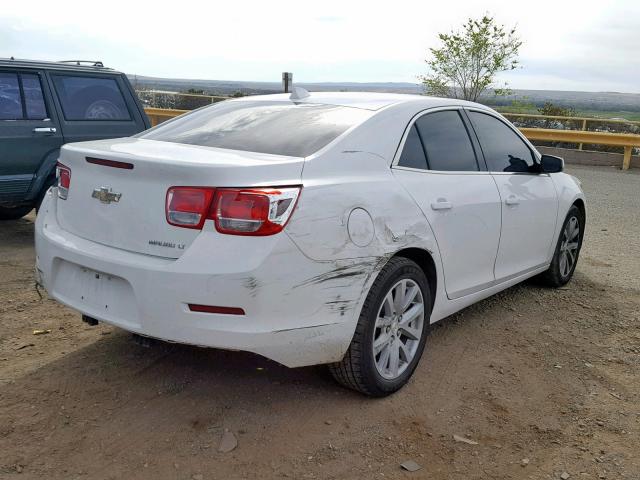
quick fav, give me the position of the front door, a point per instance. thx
(529, 199)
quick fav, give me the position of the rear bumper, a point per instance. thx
(297, 311)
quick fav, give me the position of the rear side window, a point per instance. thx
(503, 149)
(16, 103)
(90, 98)
(33, 99)
(279, 128)
(10, 102)
(413, 154)
(446, 142)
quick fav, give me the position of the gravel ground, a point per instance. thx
(543, 383)
(612, 238)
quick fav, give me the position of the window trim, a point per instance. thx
(460, 110)
(534, 153)
(116, 78)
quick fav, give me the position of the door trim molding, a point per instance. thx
(494, 283)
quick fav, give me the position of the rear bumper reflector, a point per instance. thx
(214, 309)
(110, 163)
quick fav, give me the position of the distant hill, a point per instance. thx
(581, 101)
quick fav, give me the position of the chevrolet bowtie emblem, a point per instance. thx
(105, 195)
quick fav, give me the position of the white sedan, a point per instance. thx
(312, 228)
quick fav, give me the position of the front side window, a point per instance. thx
(446, 142)
(90, 98)
(279, 128)
(503, 149)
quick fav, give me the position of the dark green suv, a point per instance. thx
(46, 104)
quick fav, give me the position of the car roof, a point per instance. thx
(71, 65)
(364, 100)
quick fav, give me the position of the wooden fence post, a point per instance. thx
(584, 129)
(626, 161)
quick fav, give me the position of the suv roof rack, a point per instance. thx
(93, 63)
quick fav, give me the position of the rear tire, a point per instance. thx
(386, 347)
(14, 213)
(565, 257)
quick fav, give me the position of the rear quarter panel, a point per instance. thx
(337, 187)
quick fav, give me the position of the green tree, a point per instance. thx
(467, 61)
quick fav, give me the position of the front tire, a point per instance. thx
(565, 257)
(391, 331)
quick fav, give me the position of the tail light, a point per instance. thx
(63, 176)
(188, 206)
(235, 211)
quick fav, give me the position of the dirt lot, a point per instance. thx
(545, 381)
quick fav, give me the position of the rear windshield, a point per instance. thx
(265, 127)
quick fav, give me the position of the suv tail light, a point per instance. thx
(63, 175)
(235, 211)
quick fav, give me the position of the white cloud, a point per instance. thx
(323, 41)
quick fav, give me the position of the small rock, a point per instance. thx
(524, 462)
(460, 439)
(41, 332)
(410, 466)
(197, 476)
(328, 422)
(228, 442)
(564, 476)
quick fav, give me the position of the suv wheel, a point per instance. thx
(14, 213)
(391, 332)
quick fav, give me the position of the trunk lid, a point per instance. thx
(136, 221)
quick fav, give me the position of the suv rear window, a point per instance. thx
(90, 98)
(277, 128)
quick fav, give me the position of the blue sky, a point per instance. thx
(570, 45)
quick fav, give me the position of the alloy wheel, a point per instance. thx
(569, 246)
(398, 328)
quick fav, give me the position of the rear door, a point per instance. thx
(95, 106)
(29, 130)
(439, 167)
(529, 200)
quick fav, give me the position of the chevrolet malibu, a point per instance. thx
(322, 228)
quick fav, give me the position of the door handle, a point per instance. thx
(441, 204)
(512, 200)
(45, 130)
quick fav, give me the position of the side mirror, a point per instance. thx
(551, 164)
